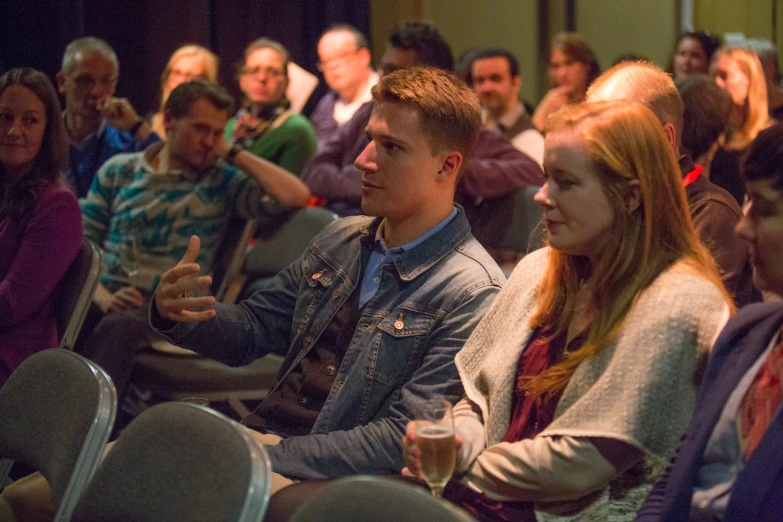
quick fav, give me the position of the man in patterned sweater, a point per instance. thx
(143, 207)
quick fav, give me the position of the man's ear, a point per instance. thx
(364, 56)
(633, 198)
(450, 164)
(671, 135)
(168, 119)
(516, 84)
(60, 77)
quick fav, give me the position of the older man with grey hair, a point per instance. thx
(714, 211)
(98, 124)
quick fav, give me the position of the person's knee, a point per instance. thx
(30, 498)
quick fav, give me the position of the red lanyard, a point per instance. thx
(692, 175)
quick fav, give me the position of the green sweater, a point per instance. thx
(290, 145)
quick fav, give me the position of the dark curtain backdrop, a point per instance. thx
(145, 32)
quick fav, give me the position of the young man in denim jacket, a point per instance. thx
(369, 319)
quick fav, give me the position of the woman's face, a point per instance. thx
(263, 80)
(762, 227)
(689, 58)
(578, 214)
(567, 72)
(185, 69)
(22, 127)
(729, 77)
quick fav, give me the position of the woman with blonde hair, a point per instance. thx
(572, 68)
(738, 71)
(583, 375)
(189, 62)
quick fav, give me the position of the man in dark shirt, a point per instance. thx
(713, 210)
(345, 61)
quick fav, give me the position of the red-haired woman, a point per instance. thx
(581, 378)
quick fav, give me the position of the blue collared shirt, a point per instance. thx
(381, 255)
(87, 156)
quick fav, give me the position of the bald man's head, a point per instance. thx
(645, 83)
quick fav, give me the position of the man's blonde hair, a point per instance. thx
(449, 112)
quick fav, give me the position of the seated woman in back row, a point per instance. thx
(582, 376)
(40, 220)
(189, 62)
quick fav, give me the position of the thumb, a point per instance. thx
(193, 249)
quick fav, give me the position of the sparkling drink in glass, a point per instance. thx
(437, 449)
(129, 259)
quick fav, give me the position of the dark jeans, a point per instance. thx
(112, 341)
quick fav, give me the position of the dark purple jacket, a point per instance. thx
(323, 120)
(34, 254)
(494, 169)
(757, 493)
(715, 214)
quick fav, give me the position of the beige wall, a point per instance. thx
(751, 17)
(647, 28)
(470, 23)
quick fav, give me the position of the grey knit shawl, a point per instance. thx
(639, 390)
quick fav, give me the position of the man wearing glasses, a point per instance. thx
(98, 124)
(345, 61)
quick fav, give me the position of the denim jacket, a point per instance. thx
(429, 300)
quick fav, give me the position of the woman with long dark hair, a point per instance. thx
(40, 220)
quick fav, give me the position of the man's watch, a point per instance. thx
(231, 155)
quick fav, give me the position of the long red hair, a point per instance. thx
(625, 142)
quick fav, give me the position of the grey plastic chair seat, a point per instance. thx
(179, 461)
(175, 377)
(376, 499)
(511, 223)
(57, 411)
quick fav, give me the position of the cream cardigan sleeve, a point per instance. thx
(542, 469)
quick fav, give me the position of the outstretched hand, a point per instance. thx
(175, 296)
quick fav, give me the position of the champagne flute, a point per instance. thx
(437, 448)
(129, 258)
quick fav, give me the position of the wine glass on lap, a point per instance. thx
(436, 444)
(129, 259)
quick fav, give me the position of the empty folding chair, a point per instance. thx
(56, 412)
(179, 461)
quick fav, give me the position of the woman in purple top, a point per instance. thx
(40, 220)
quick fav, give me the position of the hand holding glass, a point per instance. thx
(436, 444)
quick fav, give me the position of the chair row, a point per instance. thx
(176, 461)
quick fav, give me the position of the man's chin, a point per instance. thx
(370, 209)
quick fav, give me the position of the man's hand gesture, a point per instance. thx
(175, 296)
